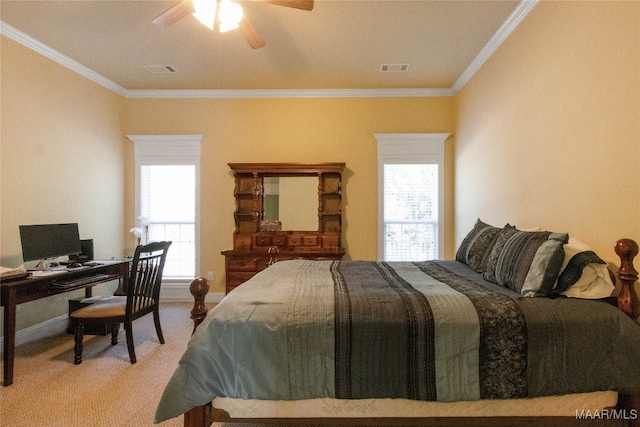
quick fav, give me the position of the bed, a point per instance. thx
(424, 343)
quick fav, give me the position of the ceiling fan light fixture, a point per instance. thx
(229, 15)
(205, 12)
(224, 14)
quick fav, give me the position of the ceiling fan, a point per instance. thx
(213, 13)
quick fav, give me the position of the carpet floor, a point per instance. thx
(106, 389)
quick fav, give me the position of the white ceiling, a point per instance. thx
(341, 44)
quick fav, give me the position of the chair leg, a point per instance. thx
(115, 328)
(79, 336)
(156, 320)
(129, 332)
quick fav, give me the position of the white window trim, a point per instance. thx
(174, 150)
(407, 148)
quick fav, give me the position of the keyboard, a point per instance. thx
(80, 281)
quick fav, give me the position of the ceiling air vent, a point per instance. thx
(394, 68)
(160, 69)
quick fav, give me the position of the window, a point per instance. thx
(411, 183)
(167, 201)
(167, 197)
(410, 212)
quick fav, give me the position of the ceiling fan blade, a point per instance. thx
(250, 34)
(175, 13)
(296, 4)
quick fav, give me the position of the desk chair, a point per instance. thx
(142, 297)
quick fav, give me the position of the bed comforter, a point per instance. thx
(430, 330)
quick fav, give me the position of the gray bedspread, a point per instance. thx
(428, 331)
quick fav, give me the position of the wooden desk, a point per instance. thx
(32, 288)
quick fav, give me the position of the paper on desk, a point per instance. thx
(6, 271)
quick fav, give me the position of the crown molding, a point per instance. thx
(292, 93)
(46, 51)
(517, 16)
(519, 13)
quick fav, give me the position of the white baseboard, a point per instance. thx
(51, 327)
(179, 292)
(171, 292)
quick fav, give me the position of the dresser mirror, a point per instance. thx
(291, 201)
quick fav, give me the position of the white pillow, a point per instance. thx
(594, 281)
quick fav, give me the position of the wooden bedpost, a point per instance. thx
(628, 302)
(627, 250)
(199, 289)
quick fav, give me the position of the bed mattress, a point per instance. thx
(564, 406)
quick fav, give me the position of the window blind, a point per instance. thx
(410, 212)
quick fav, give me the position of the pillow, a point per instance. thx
(527, 261)
(489, 268)
(476, 246)
(583, 273)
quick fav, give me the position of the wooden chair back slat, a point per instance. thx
(146, 276)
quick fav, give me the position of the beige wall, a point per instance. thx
(287, 130)
(61, 160)
(548, 130)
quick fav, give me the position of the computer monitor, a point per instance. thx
(43, 241)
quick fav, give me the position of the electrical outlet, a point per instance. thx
(210, 275)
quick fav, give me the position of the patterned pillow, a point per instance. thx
(489, 268)
(476, 246)
(583, 274)
(527, 262)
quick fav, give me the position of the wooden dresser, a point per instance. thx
(264, 211)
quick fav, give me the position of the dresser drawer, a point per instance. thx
(303, 240)
(309, 240)
(262, 240)
(279, 240)
(242, 264)
(235, 279)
